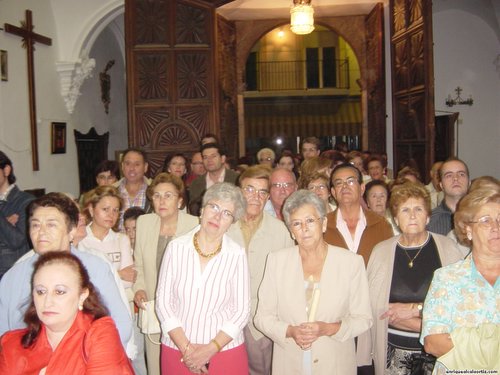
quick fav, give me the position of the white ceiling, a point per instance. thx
(269, 9)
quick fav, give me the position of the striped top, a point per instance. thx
(203, 303)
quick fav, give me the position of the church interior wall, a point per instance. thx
(466, 54)
(58, 172)
(466, 48)
(89, 110)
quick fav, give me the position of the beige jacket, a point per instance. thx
(146, 244)
(344, 297)
(380, 268)
(271, 235)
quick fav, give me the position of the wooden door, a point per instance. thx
(375, 79)
(91, 148)
(444, 142)
(412, 82)
(171, 75)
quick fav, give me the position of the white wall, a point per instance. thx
(466, 39)
(89, 110)
(57, 172)
(60, 172)
(466, 45)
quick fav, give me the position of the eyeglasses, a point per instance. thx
(310, 222)
(215, 208)
(168, 195)
(283, 185)
(251, 190)
(197, 163)
(265, 159)
(350, 181)
(487, 222)
(320, 187)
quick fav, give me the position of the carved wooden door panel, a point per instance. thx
(375, 79)
(171, 76)
(412, 82)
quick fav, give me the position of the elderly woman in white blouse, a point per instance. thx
(203, 296)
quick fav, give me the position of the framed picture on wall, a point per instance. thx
(4, 72)
(58, 138)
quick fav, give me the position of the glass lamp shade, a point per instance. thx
(302, 19)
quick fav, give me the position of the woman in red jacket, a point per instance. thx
(69, 330)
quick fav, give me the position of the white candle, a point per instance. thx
(314, 305)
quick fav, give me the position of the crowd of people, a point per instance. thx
(315, 263)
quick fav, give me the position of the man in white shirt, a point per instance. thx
(351, 226)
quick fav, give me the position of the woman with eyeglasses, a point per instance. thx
(318, 183)
(313, 300)
(153, 233)
(461, 324)
(400, 271)
(203, 296)
(266, 156)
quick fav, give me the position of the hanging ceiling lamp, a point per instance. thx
(302, 17)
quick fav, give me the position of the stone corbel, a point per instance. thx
(72, 75)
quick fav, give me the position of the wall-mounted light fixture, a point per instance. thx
(458, 99)
(302, 17)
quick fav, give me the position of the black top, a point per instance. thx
(410, 284)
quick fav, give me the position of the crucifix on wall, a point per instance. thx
(29, 39)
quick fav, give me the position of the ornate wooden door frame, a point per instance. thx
(412, 82)
(172, 75)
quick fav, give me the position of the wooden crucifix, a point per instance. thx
(29, 39)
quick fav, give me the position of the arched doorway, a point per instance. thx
(298, 86)
(365, 36)
(105, 43)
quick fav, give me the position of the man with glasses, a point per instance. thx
(282, 184)
(454, 181)
(351, 226)
(197, 168)
(213, 157)
(259, 233)
(310, 147)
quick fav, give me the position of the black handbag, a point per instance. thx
(421, 363)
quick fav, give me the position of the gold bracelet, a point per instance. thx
(216, 344)
(186, 348)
